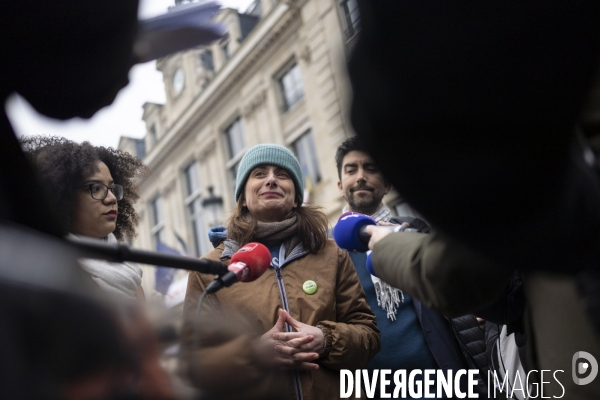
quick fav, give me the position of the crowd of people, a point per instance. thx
(501, 273)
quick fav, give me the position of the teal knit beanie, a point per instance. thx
(268, 154)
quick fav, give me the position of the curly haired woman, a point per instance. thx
(93, 191)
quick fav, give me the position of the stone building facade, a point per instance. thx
(278, 77)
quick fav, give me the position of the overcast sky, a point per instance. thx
(124, 116)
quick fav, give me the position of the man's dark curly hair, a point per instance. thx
(62, 165)
(351, 144)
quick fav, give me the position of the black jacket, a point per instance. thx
(471, 339)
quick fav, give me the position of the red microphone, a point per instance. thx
(247, 264)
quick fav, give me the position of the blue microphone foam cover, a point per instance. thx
(369, 264)
(346, 231)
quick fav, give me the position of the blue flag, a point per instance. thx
(164, 275)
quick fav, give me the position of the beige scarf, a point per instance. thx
(272, 234)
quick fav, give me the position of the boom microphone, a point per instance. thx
(350, 231)
(91, 248)
(247, 264)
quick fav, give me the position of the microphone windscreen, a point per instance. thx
(369, 263)
(346, 232)
(256, 256)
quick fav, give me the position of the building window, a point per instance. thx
(152, 133)
(226, 49)
(193, 204)
(304, 148)
(290, 85)
(178, 81)
(158, 226)
(351, 17)
(140, 148)
(206, 58)
(234, 136)
(233, 172)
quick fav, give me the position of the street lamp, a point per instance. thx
(214, 206)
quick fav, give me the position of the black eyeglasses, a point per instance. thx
(99, 191)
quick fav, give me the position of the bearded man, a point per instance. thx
(413, 336)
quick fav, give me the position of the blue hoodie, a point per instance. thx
(217, 234)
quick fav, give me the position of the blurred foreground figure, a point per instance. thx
(483, 100)
(59, 338)
(68, 59)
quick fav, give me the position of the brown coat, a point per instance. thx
(339, 306)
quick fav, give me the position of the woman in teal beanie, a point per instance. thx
(309, 307)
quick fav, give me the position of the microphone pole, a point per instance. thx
(90, 248)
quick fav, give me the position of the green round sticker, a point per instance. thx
(309, 287)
